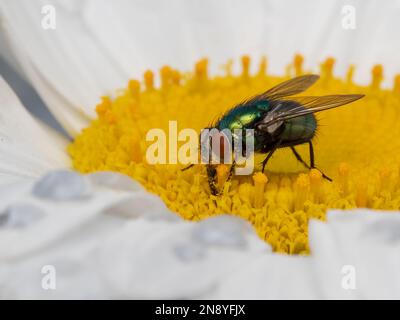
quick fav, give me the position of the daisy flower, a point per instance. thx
(87, 216)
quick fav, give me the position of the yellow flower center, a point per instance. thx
(357, 145)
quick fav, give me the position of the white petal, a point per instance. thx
(97, 45)
(97, 253)
(27, 149)
(67, 66)
(363, 241)
(271, 276)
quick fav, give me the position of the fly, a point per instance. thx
(279, 120)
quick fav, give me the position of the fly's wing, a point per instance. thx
(308, 105)
(317, 104)
(285, 89)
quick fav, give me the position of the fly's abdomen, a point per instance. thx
(300, 129)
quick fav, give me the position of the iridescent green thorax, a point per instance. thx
(243, 116)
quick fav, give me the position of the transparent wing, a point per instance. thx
(309, 105)
(316, 104)
(285, 89)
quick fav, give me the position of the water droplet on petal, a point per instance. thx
(144, 205)
(221, 231)
(20, 215)
(188, 253)
(115, 181)
(383, 231)
(62, 185)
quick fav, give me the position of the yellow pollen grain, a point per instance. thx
(201, 69)
(301, 189)
(350, 74)
(377, 76)
(384, 178)
(315, 176)
(165, 74)
(110, 117)
(101, 109)
(361, 196)
(222, 174)
(262, 68)
(260, 180)
(396, 86)
(344, 171)
(356, 145)
(316, 185)
(327, 68)
(298, 64)
(245, 65)
(175, 77)
(227, 68)
(149, 80)
(103, 106)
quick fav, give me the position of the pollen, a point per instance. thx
(222, 174)
(148, 80)
(245, 66)
(298, 64)
(260, 180)
(356, 145)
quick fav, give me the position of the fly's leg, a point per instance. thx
(211, 174)
(231, 170)
(188, 167)
(312, 164)
(276, 146)
(299, 158)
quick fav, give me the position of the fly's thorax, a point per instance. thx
(240, 117)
